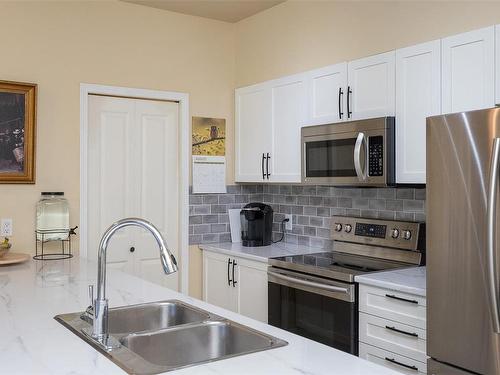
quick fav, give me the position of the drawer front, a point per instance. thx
(393, 336)
(391, 360)
(401, 307)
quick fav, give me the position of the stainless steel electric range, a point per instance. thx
(315, 295)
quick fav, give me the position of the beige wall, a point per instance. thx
(58, 45)
(300, 35)
(195, 272)
(61, 44)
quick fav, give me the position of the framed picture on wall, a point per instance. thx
(17, 132)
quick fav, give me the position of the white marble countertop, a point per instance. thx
(32, 342)
(409, 280)
(261, 253)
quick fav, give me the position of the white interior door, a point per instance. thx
(158, 188)
(110, 197)
(133, 171)
(468, 71)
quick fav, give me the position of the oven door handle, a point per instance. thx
(360, 142)
(330, 288)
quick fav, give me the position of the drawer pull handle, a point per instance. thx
(402, 299)
(392, 360)
(413, 334)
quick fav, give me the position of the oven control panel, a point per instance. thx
(376, 156)
(386, 233)
(370, 230)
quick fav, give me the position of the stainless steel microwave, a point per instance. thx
(355, 153)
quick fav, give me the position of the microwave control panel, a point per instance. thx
(376, 156)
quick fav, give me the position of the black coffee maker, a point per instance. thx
(256, 225)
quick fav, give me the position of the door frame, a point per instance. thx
(87, 89)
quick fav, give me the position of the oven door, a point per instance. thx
(320, 309)
(348, 155)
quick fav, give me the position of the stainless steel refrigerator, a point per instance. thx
(463, 243)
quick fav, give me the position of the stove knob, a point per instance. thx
(348, 228)
(406, 234)
(395, 233)
(338, 227)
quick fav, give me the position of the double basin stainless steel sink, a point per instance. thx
(163, 336)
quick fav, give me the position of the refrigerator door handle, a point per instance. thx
(491, 259)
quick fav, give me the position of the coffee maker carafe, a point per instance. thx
(256, 225)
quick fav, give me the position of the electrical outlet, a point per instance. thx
(6, 227)
(288, 224)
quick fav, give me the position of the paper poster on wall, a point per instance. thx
(209, 174)
(209, 136)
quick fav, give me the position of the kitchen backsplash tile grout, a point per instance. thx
(311, 207)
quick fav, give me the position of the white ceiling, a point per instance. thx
(222, 10)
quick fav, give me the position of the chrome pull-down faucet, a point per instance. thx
(100, 305)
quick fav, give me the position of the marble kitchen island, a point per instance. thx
(32, 342)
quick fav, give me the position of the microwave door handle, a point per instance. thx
(491, 258)
(360, 142)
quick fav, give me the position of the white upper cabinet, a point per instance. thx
(468, 71)
(371, 87)
(418, 95)
(268, 121)
(288, 114)
(253, 132)
(326, 94)
(497, 63)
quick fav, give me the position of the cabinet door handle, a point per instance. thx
(341, 93)
(234, 281)
(402, 299)
(349, 92)
(413, 334)
(132, 249)
(228, 266)
(267, 166)
(263, 173)
(392, 360)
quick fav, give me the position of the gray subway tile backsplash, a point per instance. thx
(311, 208)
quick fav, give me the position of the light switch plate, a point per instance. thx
(6, 227)
(288, 224)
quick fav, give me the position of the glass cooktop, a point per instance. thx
(335, 265)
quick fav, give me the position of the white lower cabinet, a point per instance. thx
(391, 360)
(217, 285)
(236, 284)
(392, 329)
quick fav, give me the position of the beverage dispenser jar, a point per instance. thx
(52, 217)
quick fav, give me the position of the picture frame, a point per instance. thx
(17, 132)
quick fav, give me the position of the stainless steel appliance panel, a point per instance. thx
(356, 153)
(438, 368)
(459, 304)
